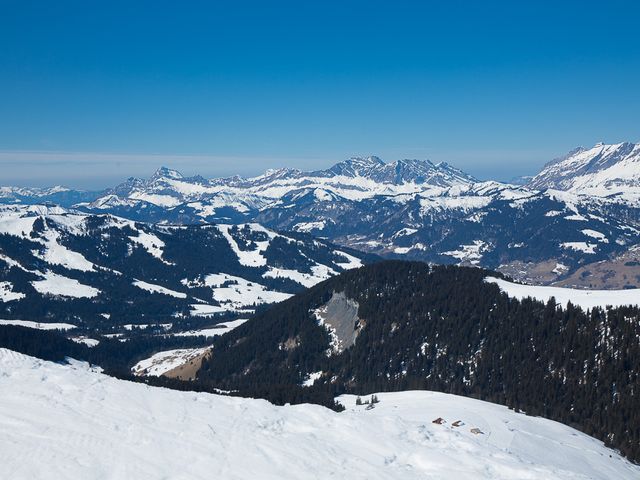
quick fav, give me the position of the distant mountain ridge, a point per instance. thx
(608, 167)
(580, 209)
(355, 178)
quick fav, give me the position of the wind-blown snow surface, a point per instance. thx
(67, 421)
(584, 298)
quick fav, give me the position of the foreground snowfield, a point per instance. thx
(66, 421)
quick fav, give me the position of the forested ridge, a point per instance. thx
(444, 328)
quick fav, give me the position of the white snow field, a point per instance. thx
(89, 342)
(54, 284)
(39, 325)
(219, 329)
(584, 298)
(70, 422)
(152, 288)
(7, 294)
(236, 293)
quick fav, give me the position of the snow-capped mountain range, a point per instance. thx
(354, 179)
(580, 209)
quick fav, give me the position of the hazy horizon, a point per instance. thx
(89, 171)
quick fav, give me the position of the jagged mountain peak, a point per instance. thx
(424, 171)
(401, 171)
(357, 166)
(368, 160)
(280, 173)
(412, 163)
(165, 172)
(603, 169)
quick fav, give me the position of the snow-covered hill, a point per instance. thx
(102, 270)
(67, 421)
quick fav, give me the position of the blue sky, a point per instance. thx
(93, 92)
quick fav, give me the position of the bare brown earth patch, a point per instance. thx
(621, 271)
(606, 275)
(617, 273)
(188, 370)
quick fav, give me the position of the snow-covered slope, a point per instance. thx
(583, 298)
(165, 361)
(68, 422)
(601, 170)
